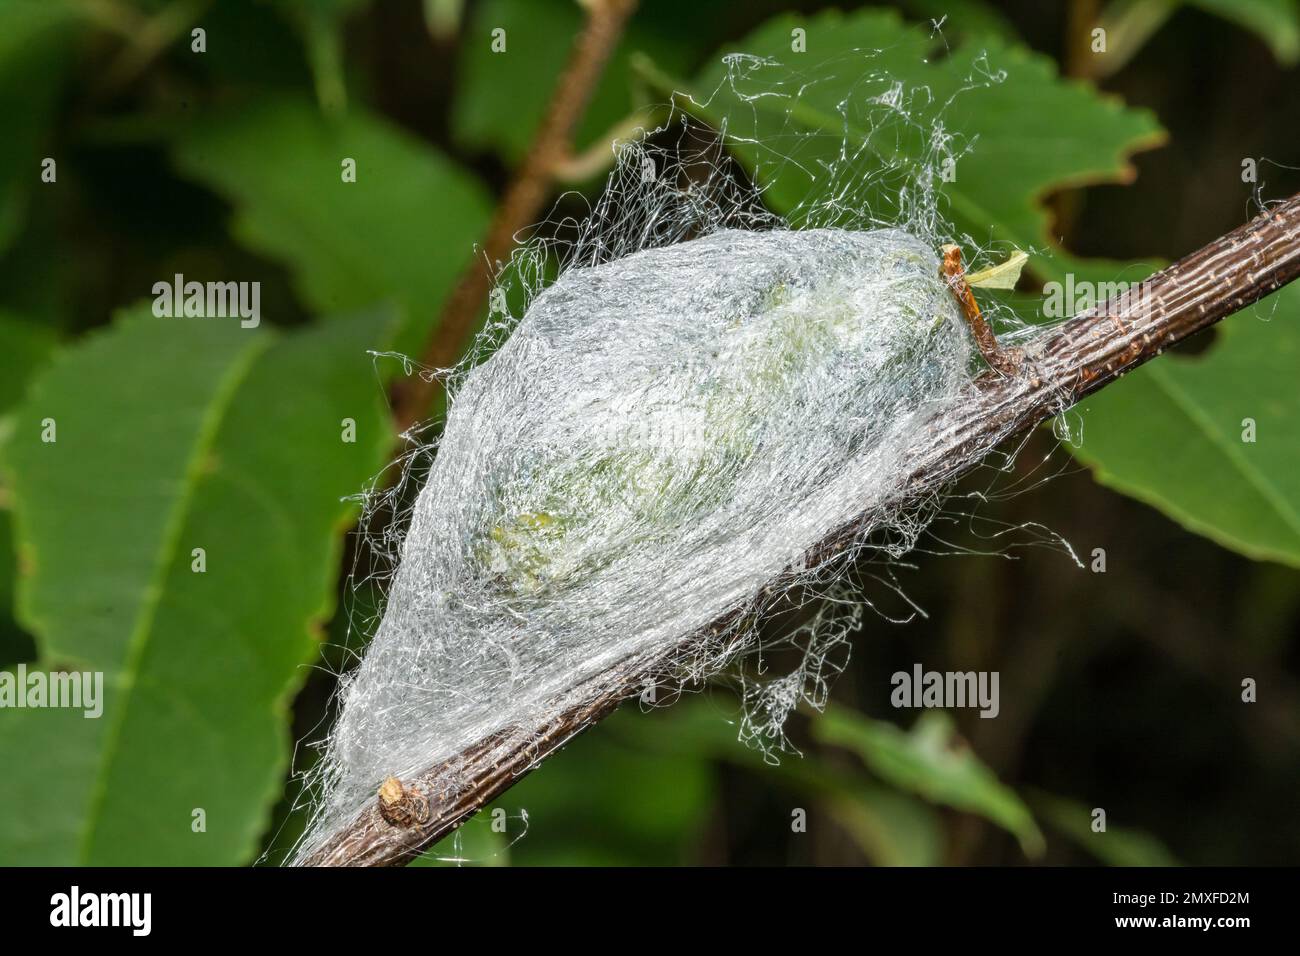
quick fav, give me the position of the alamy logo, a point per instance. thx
(71, 689)
(946, 689)
(212, 300)
(1062, 300)
(103, 909)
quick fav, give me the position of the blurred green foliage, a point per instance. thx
(501, 101)
(1121, 690)
(932, 761)
(400, 233)
(1277, 22)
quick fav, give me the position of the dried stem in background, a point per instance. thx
(1064, 365)
(522, 202)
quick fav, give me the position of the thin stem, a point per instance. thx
(1129, 24)
(598, 158)
(324, 42)
(1064, 365)
(1006, 361)
(522, 202)
(150, 39)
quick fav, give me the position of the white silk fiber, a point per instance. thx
(702, 395)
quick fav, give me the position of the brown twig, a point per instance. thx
(1064, 365)
(522, 202)
(1006, 361)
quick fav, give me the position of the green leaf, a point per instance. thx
(1030, 134)
(24, 347)
(1277, 22)
(503, 96)
(174, 435)
(889, 827)
(320, 23)
(931, 761)
(1171, 433)
(402, 232)
(1116, 846)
